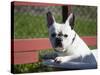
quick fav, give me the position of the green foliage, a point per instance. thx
(29, 68)
(86, 27)
(30, 26)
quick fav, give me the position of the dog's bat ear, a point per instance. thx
(50, 19)
(71, 20)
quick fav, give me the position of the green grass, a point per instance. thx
(86, 27)
(30, 26)
(29, 68)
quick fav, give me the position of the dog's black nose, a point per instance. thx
(58, 42)
(58, 39)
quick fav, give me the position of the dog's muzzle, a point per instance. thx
(58, 44)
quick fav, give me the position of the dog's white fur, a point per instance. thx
(76, 51)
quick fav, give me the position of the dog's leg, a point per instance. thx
(72, 58)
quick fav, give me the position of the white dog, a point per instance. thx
(71, 49)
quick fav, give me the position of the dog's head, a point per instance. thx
(61, 35)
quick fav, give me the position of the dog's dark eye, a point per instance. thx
(53, 34)
(65, 35)
(60, 34)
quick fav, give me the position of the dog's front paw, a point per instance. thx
(58, 60)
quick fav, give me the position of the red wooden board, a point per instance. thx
(26, 50)
(20, 3)
(25, 57)
(90, 40)
(31, 44)
(42, 43)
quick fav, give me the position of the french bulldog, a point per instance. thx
(67, 43)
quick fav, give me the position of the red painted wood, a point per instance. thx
(26, 50)
(90, 40)
(25, 57)
(21, 3)
(43, 43)
(31, 44)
